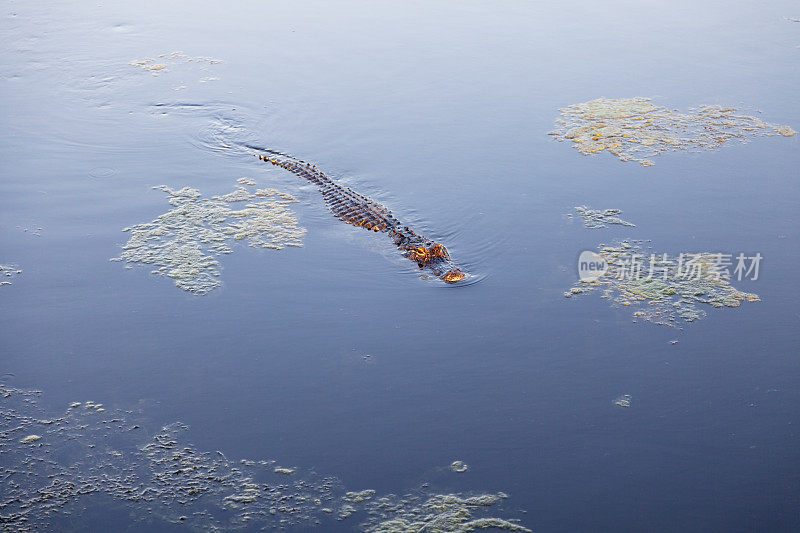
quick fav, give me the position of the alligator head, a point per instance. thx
(436, 258)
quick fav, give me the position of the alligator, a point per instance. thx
(359, 210)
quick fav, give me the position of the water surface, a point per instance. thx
(440, 112)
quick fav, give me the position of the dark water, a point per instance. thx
(439, 111)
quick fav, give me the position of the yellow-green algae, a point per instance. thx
(634, 129)
(600, 218)
(87, 450)
(184, 242)
(674, 290)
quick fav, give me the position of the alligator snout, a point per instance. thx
(453, 276)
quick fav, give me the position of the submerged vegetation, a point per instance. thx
(634, 128)
(52, 464)
(184, 242)
(663, 289)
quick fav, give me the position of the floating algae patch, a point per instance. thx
(438, 512)
(661, 288)
(359, 496)
(84, 452)
(600, 218)
(8, 273)
(184, 242)
(623, 401)
(163, 61)
(634, 129)
(459, 466)
(54, 468)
